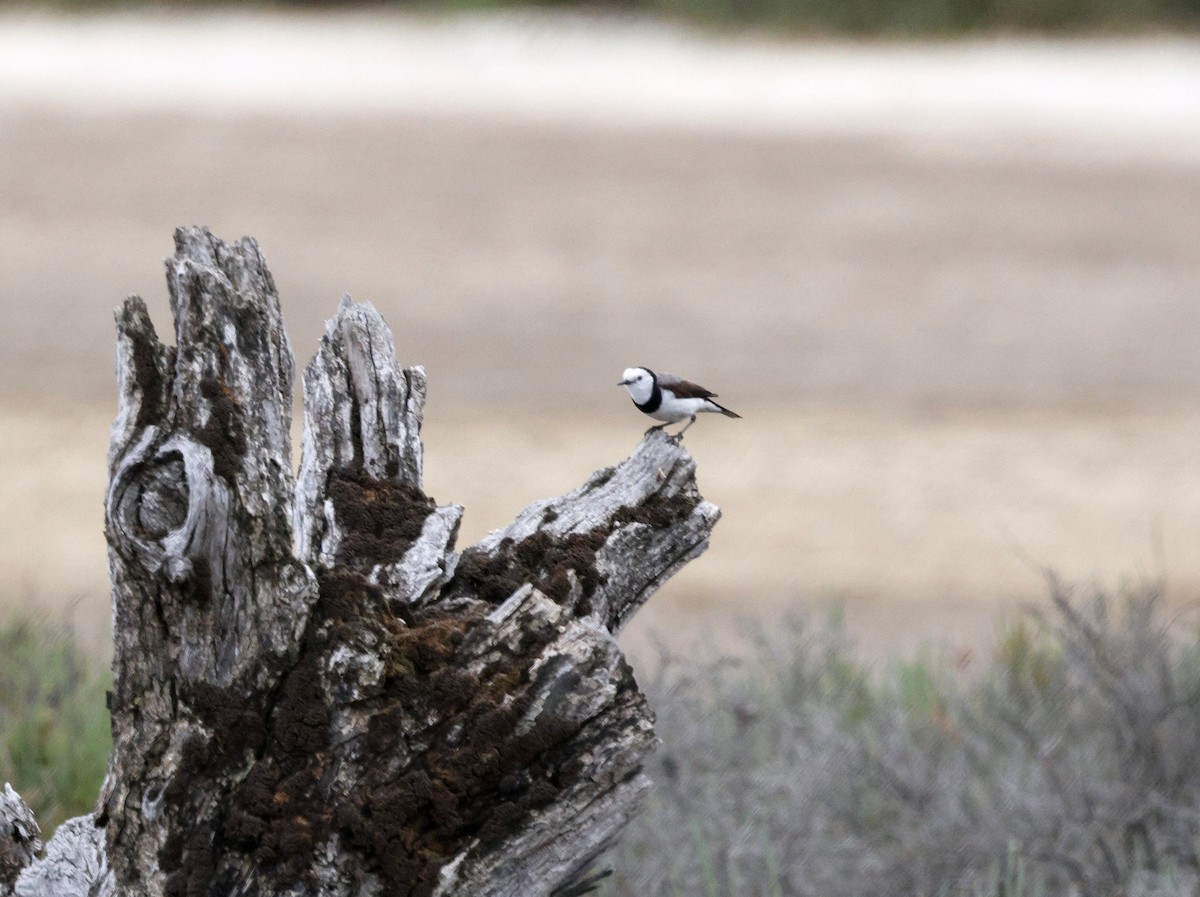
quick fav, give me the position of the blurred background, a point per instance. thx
(943, 256)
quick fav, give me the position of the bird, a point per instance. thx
(669, 398)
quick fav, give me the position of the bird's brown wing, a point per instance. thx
(684, 389)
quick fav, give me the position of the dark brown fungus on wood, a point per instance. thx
(381, 517)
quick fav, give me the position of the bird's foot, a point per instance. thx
(678, 437)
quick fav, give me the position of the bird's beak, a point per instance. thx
(624, 383)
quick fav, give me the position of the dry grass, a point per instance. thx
(1067, 766)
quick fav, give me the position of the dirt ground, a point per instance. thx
(925, 531)
(959, 363)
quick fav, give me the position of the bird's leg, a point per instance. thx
(678, 436)
(655, 427)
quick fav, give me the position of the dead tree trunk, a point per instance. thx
(314, 694)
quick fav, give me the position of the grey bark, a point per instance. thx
(20, 837)
(313, 692)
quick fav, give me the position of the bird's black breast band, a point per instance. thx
(651, 404)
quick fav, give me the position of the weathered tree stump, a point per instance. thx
(313, 693)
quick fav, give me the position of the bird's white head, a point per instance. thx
(639, 382)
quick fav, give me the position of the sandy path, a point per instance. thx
(1142, 95)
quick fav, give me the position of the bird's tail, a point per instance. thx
(725, 410)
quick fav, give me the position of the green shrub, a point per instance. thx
(54, 724)
(902, 17)
(935, 17)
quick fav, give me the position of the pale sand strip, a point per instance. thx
(610, 70)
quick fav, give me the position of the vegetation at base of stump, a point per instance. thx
(54, 725)
(1063, 763)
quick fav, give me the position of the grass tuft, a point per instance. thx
(54, 724)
